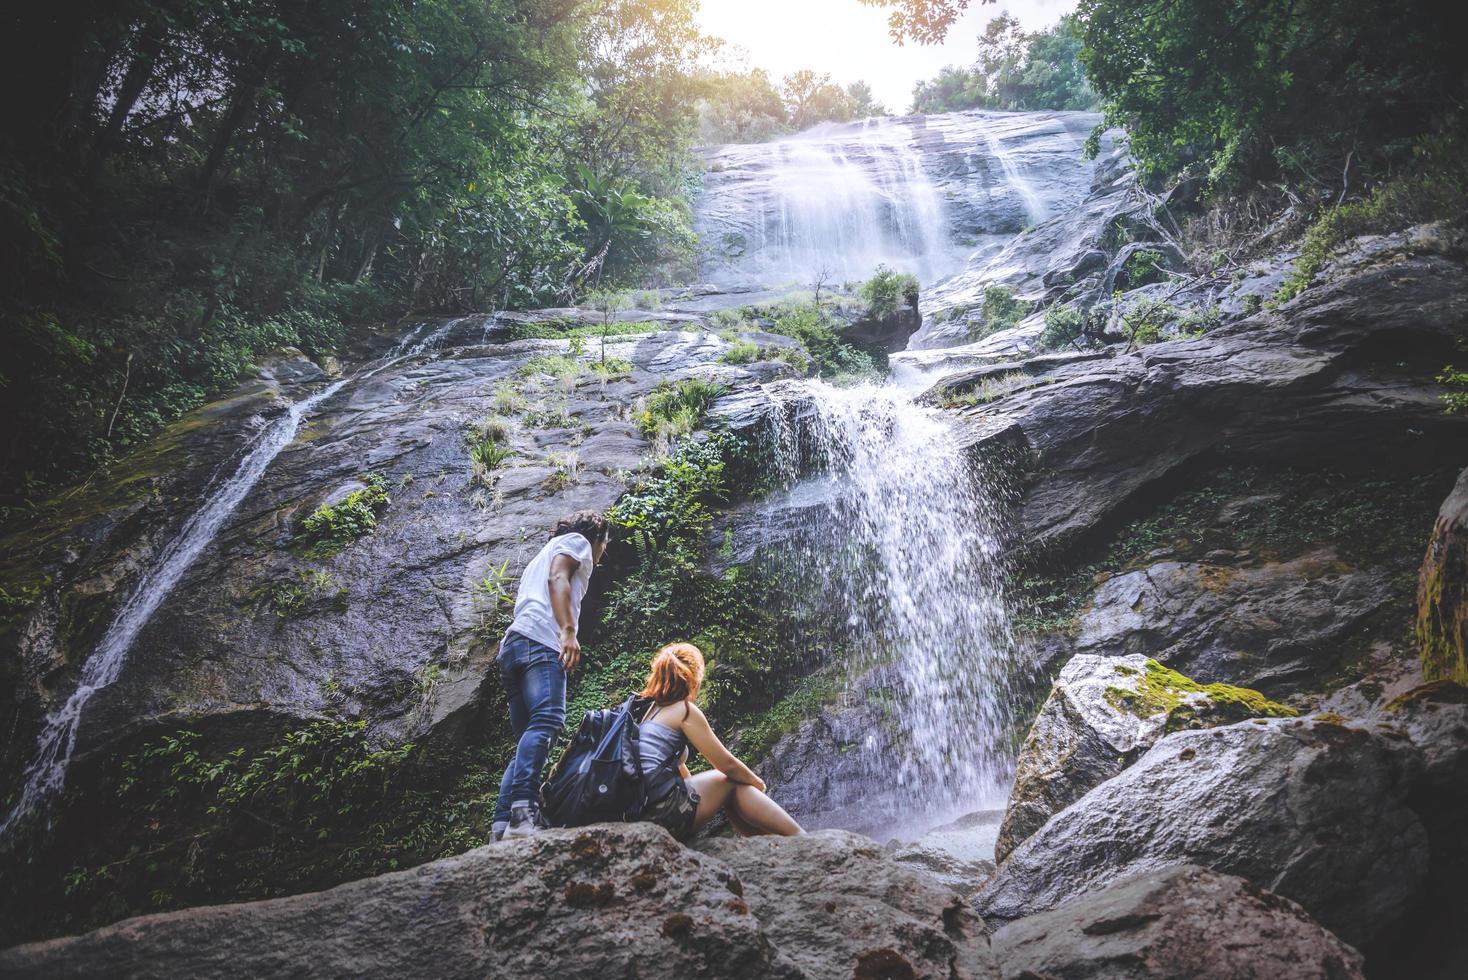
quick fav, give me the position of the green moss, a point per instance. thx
(1162, 690)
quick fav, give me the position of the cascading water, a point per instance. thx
(911, 538)
(923, 194)
(46, 774)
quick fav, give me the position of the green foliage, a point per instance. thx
(1001, 311)
(299, 811)
(815, 328)
(562, 367)
(1456, 397)
(677, 409)
(1197, 321)
(673, 504)
(291, 599)
(1262, 87)
(1064, 327)
(331, 527)
(740, 352)
(1014, 70)
(1142, 267)
(209, 182)
(1145, 319)
(1160, 689)
(889, 291)
(1435, 187)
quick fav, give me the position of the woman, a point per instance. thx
(680, 802)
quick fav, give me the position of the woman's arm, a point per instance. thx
(702, 737)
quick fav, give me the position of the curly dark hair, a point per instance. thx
(587, 523)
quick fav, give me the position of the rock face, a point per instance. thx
(1275, 625)
(389, 630)
(1319, 381)
(603, 901)
(1176, 922)
(833, 907)
(1313, 811)
(1101, 715)
(1442, 591)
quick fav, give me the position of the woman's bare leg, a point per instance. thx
(741, 827)
(714, 791)
(758, 811)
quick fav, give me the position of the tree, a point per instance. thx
(740, 107)
(1260, 87)
(923, 21)
(812, 99)
(864, 104)
(951, 90)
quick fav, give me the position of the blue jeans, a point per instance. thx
(536, 687)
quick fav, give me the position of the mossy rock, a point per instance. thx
(1188, 704)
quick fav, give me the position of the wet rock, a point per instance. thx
(959, 854)
(887, 334)
(834, 907)
(1311, 810)
(1442, 591)
(1101, 715)
(1344, 372)
(607, 900)
(1182, 921)
(1278, 626)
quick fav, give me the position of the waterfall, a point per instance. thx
(923, 194)
(911, 537)
(46, 773)
(834, 202)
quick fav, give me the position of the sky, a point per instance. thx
(850, 41)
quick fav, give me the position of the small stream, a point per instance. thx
(45, 775)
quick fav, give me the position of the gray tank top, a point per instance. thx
(657, 743)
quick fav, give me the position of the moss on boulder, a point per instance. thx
(1156, 689)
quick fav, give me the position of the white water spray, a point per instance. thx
(46, 774)
(912, 538)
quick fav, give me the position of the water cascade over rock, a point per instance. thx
(924, 194)
(899, 524)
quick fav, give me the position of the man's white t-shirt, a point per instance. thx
(533, 615)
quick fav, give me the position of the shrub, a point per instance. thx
(1064, 327)
(1438, 188)
(740, 352)
(677, 409)
(888, 291)
(334, 526)
(1142, 267)
(563, 367)
(1144, 320)
(1001, 311)
(833, 356)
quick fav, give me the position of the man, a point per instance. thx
(537, 653)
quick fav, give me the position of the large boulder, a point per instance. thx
(834, 907)
(1101, 715)
(1312, 810)
(613, 900)
(1278, 626)
(1442, 591)
(1323, 380)
(1175, 922)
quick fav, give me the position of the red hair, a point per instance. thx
(677, 672)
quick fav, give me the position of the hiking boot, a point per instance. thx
(497, 830)
(525, 821)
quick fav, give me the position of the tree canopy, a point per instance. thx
(187, 183)
(1014, 69)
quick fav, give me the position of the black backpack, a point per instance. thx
(598, 777)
